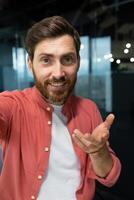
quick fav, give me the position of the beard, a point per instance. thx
(58, 96)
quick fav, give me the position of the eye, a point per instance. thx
(46, 60)
(68, 60)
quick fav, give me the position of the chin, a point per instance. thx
(57, 100)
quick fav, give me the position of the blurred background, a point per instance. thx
(106, 74)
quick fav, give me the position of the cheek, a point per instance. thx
(71, 74)
(42, 73)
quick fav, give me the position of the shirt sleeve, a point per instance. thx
(114, 173)
(112, 176)
(6, 106)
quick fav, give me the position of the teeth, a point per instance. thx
(57, 84)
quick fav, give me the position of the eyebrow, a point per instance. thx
(45, 54)
(52, 55)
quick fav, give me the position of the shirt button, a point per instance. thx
(32, 197)
(46, 149)
(39, 177)
(49, 122)
(48, 108)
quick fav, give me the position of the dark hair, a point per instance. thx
(50, 27)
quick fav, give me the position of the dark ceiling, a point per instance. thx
(97, 17)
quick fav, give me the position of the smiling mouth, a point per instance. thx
(57, 84)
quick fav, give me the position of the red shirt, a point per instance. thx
(25, 133)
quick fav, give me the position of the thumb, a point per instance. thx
(109, 120)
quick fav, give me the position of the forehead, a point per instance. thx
(56, 46)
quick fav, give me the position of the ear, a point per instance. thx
(30, 64)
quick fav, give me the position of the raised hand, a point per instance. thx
(91, 143)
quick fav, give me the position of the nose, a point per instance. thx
(58, 70)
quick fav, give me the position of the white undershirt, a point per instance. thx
(63, 174)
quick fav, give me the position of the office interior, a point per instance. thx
(106, 74)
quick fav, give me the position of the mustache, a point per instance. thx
(57, 80)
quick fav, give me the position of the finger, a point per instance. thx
(104, 138)
(78, 142)
(81, 137)
(93, 140)
(78, 133)
(109, 120)
(90, 139)
(86, 135)
(99, 139)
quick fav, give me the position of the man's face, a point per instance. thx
(54, 66)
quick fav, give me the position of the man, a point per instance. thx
(55, 144)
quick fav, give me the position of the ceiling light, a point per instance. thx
(118, 61)
(131, 59)
(128, 45)
(126, 51)
(111, 60)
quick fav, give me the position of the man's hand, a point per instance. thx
(91, 143)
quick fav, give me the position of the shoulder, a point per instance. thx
(90, 108)
(15, 94)
(84, 102)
